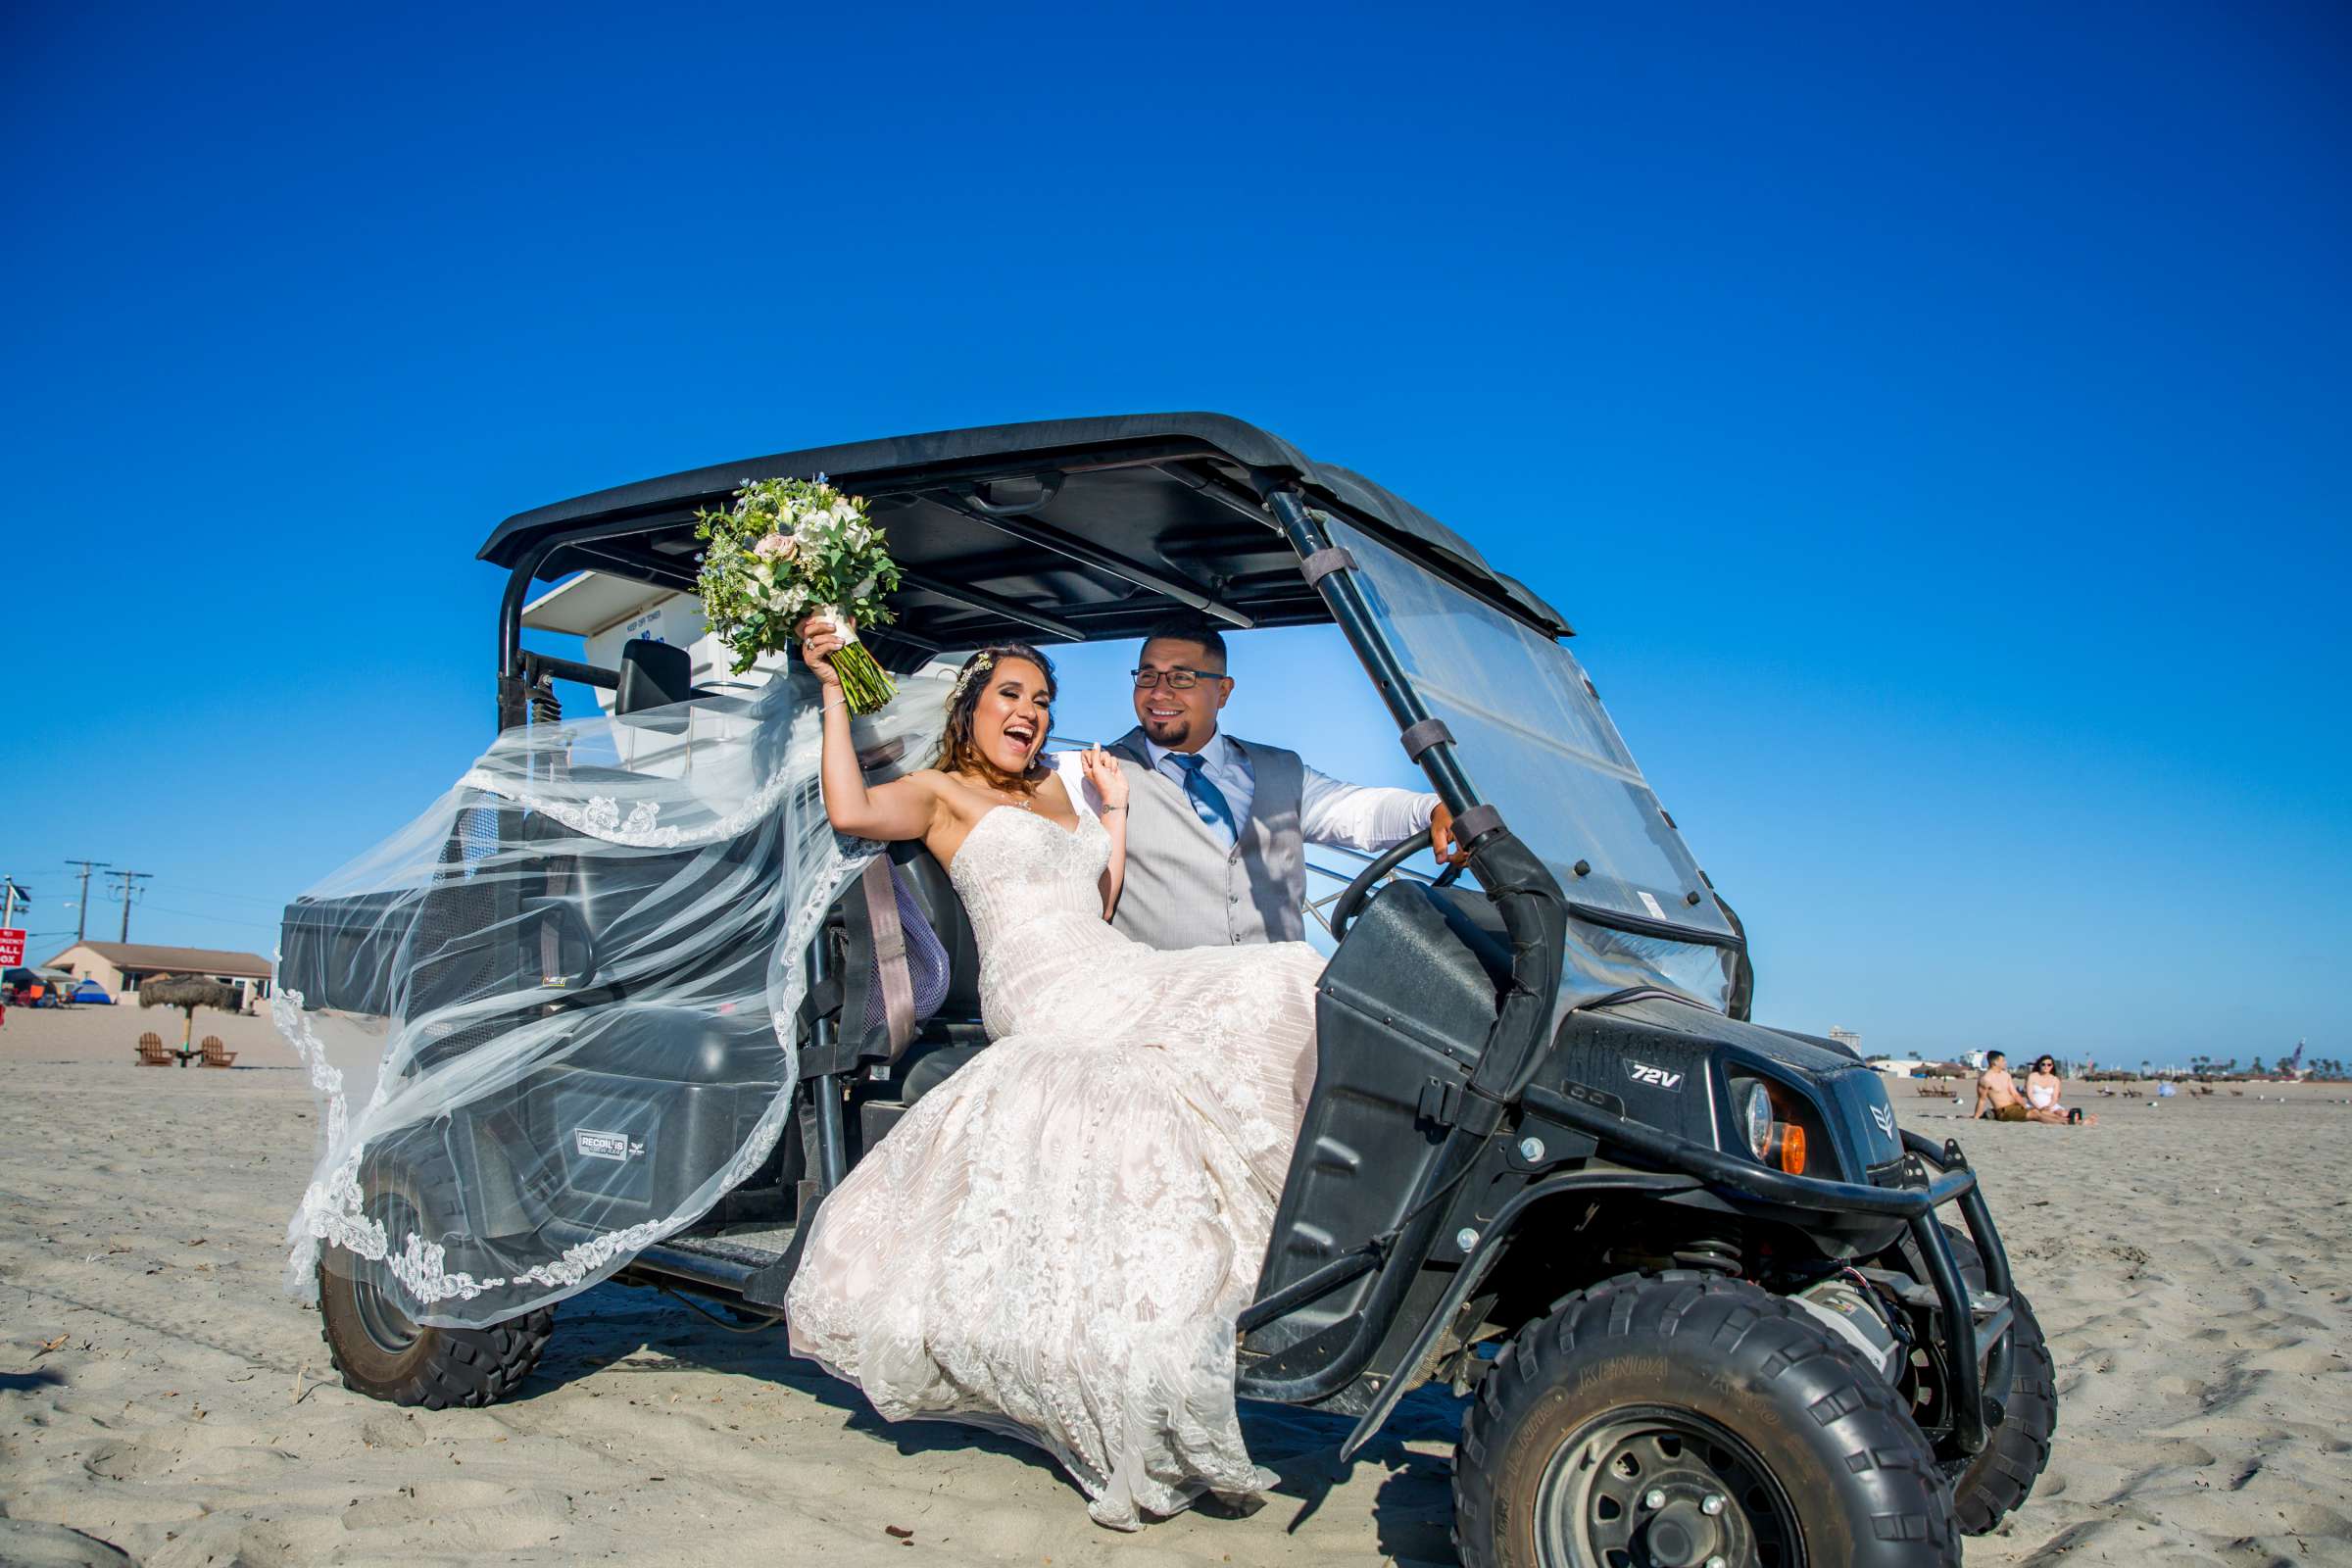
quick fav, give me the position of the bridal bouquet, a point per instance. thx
(787, 549)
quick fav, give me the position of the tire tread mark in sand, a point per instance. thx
(172, 1333)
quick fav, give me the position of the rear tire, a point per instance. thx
(1605, 1428)
(381, 1353)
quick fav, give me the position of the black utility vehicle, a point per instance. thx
(1697, 1278)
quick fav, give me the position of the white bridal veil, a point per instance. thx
(552, 1020)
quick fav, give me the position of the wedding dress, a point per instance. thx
(1055, 1243)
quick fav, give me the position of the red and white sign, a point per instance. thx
(12, 948)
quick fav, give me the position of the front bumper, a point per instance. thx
(1973, 1368)
(1975, 1413)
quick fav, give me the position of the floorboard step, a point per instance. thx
(758, 1245)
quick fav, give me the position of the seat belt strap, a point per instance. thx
(890, 952)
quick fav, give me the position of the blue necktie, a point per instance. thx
(1207, 801)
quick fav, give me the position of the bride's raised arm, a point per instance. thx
(902, 808)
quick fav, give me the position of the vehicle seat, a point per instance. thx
(652, 675)
(946, 1041)
(927, 880)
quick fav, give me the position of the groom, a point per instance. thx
(1216, 827)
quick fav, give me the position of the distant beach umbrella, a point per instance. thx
(187, 993)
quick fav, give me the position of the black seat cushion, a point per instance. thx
(652, 675)
(927, 1066)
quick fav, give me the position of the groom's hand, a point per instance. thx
(1440, 838)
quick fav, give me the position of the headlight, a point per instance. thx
(1757, 1110)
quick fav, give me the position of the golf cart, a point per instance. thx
(1698, 1279)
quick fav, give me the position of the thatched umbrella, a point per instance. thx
(187, 993)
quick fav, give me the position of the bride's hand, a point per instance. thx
(1104, 772)
(820, 640)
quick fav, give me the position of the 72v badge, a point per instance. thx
(1654, 1077)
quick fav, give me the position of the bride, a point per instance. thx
(1055, 1243)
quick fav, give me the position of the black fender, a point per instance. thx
(1495, 1241)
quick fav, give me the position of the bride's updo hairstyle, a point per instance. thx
(959, 753)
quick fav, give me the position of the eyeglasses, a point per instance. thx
(1178, 679)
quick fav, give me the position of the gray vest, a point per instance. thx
(1184, 887)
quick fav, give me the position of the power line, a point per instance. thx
(217, 893)
(201, 914)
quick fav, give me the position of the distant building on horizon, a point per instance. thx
(1848, 1039)
(120, 966)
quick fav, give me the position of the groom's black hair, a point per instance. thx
(1191, 626)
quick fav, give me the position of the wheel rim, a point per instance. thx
(1655, 1486)
(387, 1326)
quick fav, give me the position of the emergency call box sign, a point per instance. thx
(12, 948)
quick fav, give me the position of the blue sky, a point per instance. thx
(1935, 426)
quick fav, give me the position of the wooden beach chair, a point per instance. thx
(215, 1055)
(152, 1053)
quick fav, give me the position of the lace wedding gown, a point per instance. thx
(1055, 1241)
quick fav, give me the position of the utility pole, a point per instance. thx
(81, 926)
(126, 878)
(10, 892)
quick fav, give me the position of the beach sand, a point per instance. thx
(111, 1034)
(165, 1402)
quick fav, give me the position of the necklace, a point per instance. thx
(1025, 802)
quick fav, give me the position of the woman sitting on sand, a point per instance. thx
(2043, 1087)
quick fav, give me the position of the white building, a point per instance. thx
(119, 967)
(607, 612)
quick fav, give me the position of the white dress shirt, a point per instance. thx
(1350, 817)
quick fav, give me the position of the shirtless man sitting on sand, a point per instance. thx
(1998, 1098)
(1996, 1091)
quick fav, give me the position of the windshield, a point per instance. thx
(1536, 743)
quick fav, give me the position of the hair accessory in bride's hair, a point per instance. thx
(980, 665)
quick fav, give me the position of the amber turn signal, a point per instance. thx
(1788, 1147)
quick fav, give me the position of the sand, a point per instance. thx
(111, 1034)
(162, 1401)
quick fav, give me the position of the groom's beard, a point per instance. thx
(1173, 733)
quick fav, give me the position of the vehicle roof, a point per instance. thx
(1170, 499)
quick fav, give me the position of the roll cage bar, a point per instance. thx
(1189, 525)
